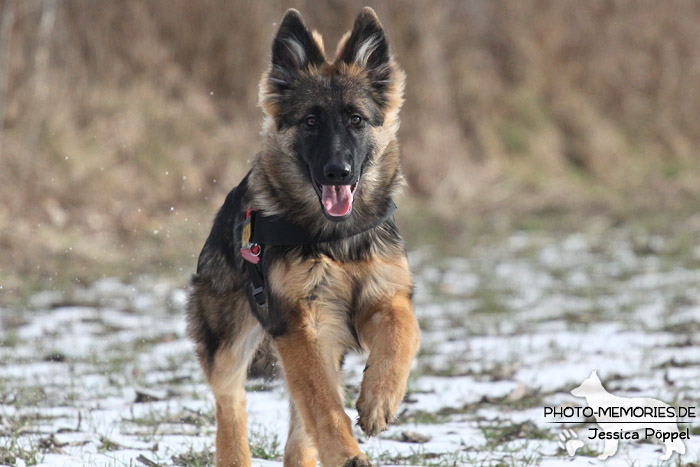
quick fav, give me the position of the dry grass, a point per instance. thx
(111, 113)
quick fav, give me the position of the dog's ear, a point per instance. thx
(294, 49)
(367, 47)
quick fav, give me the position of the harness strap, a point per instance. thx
(259, 231)
(256, 279)
(278, 231)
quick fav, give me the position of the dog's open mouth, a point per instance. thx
(336, 199)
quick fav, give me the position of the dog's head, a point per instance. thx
(329, 124)
(591, 385)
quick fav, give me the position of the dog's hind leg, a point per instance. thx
(389, 330)
(226, 378)
(310, 358)
(300, 450)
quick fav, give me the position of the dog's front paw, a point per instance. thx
(357, 461)
(375, 412)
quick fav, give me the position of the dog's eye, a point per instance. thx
(311, 121)
(355, 120)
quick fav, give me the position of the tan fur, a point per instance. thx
(319, 40)
(227, 380)
(319, 292)
(341, 44)
(311, 366)
(299, 450)
(389, 330)
(328, 282)
(391, 120)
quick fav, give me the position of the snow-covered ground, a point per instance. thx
(106, 376)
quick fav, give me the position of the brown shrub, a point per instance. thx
(112, 112)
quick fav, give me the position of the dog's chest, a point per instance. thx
(339, 285)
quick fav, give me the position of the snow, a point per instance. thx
(73, 363)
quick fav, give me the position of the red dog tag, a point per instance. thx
(251, 253)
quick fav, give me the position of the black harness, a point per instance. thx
(259, 231)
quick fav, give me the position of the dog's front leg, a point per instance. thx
(310, 368)
(389, 330)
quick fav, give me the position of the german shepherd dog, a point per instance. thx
(329, 167)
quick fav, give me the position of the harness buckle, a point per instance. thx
(251, 252)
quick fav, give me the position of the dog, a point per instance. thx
(304, 260)
(623, 425)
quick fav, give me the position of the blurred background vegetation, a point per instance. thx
(124, 124)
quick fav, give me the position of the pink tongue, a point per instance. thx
(336, 199)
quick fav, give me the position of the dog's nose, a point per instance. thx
(337, 171)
